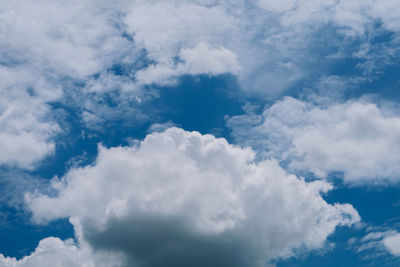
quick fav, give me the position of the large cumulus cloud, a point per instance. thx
(181, 197)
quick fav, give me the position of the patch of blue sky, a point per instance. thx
(340, 252)
(200, 103)
(19, 236)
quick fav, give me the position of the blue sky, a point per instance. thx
(201, 133)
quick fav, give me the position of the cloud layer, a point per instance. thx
(78, 52)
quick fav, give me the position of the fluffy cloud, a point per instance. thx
(181, 197)
(353, 17)
(392, 244)
(357, 138)
(78, 52)
(163, 28)
(205, 192)
(52, 252)
(275, 44)
(44, 46)
(74, 39)
(202, 59)
(25, 132)
(168, 30)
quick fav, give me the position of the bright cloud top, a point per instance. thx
(205, 193)
(356, 138)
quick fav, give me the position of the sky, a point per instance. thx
(196, 133)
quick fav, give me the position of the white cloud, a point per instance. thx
(386, 12)
(25, 132)
(205, 192)
(80, 38)
(201, 59)
(353, 17)
(212, 38)
(163, 28)
(392, 244)
(43, 46)
(161, 127)
(356, 138)
(275, 46)
(377, 244)
(77, 42)
(191, 32)
(72, 47)
(53, 252)
(75, 38)
(47, 46)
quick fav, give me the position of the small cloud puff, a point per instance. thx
(392, 243)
